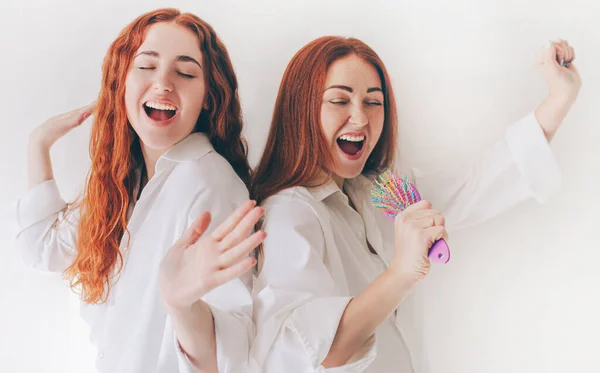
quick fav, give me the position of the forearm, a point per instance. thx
(39, 165)
(551, 112)
(365, 313)
(195, 332)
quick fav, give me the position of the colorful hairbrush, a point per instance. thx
(392, 193)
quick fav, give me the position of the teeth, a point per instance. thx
(159, 106)
(352, 138)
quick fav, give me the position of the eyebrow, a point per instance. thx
(181, 58)
(349, 89)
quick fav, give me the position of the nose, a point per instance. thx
(162, 82)
(358, 116)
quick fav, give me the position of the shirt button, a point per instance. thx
(102, 355)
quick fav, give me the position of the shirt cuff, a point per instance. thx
(318, 332)
(37, 204)
(232, 342)
(534, 158)
(183, 362)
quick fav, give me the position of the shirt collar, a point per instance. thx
(322, 192)
(360, 182)
(191, 148)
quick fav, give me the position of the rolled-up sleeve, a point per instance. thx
(44, 228)
(298, 305)
(231, 308)
(230, 303)
(518, 167)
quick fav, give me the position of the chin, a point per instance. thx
(162, 136)
(159, 141)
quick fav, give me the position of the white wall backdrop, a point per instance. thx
(522, 291)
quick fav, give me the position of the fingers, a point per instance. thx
(568, 51)
(421, 205)
(89, 108)
(560, 53)
(235, 271)
(235, 254)
(572, 53)
(76, 117)
(194, 232)
(428, 221)
(432, 234)
(438, 220)
(86, 111)
(232, 221)
(242, 229)
(565, 54)
(423, 223)
(419, 214)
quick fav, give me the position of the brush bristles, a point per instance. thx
(392, 193)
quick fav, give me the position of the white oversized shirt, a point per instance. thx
(132, 331)
(316, 256)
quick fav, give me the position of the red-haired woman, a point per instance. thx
(158, 245)
(332, 270)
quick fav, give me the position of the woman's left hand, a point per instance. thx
(197, 264)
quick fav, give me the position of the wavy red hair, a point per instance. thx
(297, 152)
(115, 150)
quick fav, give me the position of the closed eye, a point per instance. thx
(187, 76)
(338, 102)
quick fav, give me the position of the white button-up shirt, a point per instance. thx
(316, 255)
(132, 330)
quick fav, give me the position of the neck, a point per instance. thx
(151, 156)
(339, 181)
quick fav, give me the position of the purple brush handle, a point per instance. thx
(439, 252)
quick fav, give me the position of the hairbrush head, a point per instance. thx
(392, 193)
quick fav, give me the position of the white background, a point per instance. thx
(522, 291)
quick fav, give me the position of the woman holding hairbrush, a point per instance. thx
(333, 270)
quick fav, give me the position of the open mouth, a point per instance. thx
(159, 112)
(351, 145)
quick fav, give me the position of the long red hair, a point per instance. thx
(115, 149)
(297, 152)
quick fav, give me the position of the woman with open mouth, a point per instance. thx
(332, 270)
(159, 245)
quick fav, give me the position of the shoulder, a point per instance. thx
(296, 199)
(210, 174)
(291, 209)
(294, 224)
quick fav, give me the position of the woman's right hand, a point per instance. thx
(416, 229)
(563, 82)
(198, 263)
(46, 134)
(41, 139)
